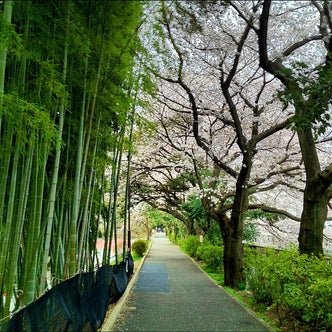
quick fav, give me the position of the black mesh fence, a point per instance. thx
(77, 304)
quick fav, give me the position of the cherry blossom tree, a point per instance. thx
(211, 80)
(308, 88)
(294, 46)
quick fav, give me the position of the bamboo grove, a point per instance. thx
(66, 114)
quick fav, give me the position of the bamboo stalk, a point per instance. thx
(7, 15)
(54, 183)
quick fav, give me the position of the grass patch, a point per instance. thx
(136, 257)
(216, 276)
(137, 260)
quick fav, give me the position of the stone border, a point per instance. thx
(244, 306)
(109, 322)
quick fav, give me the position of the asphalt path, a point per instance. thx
(171, 293)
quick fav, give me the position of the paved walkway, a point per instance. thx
(172, 294)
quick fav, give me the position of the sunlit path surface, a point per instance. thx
(172, 294)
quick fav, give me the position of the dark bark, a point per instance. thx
(233, 261)
(316, 197)
(232, 229)
(315, 200)
(234, 248)
(190, 227)
(233, 253)
(313, 218)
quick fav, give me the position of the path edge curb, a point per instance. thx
(109, 322)
(251, 312)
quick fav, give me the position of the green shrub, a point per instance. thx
(320, 310)
(213, 235)
(172, 237)
(175, 238)
(299, 286)
(140, 247)
(211, 255)
(257, 283)
(190, 245)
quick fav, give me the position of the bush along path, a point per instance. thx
(298, 288)
(172, 294)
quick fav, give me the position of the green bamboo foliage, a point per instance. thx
(25, 125)
(72, 255)
(64, 69)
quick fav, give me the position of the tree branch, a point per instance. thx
(273, 210)
(299, 44)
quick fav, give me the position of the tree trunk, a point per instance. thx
(233, 259)
(313, 218)
(233, 246)
(315, 198)
(190, 227)
(233, 234)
